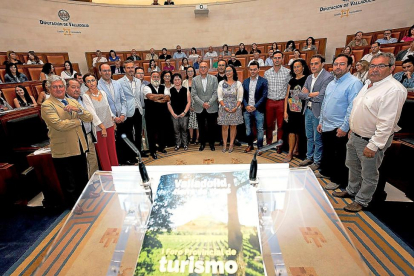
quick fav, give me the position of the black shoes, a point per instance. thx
(144, 154)
(212, 148)
(202, 147)
(162, 151)
(154, 155)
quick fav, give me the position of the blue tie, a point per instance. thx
(65, 102)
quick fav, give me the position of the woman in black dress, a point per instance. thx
(295, 122)
(242, 50)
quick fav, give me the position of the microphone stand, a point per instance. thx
(146, 182)
(253, 165)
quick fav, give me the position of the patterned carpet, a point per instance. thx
(382, 250)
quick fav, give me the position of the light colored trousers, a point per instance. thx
(91, 156)
(363, 171)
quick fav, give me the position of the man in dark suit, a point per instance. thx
(403, 55)
(117, 69)
(313, 92)
(254, 102)
(64, 117)
(204, 95)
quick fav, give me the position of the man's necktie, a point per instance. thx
(65, 102)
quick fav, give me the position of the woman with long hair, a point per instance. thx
(153, 66)
(242, 50)
(230, 97)
(68, 73)
(184, 64)
(296, 55)
(96, 103)
(47, 71)
(44, 95)
(309, 45)
(362, 68)
(190, 73)
(113, 56)
(348, 51)
(23, 98)
(166, 81)
(409, 36)
(33, 59)
(294, 118)
(290, 46)
(13, 75)
(12, 58)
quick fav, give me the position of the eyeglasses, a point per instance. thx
(90, 81)
(229, 71)
(57, 86)
(379, 66)
(340, 64)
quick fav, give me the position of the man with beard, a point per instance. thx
(373, 121)
(179, 54)
(334, 122)
(156, 114)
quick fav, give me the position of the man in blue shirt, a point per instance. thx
(387, 39)
(334, 122)
(179, 54)
(406, 77)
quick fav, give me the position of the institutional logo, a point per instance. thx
(63, 15)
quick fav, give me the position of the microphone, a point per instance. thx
(253, 164)
(141, 166)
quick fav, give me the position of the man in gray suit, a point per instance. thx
(117, 102)
(204, 95)
(313, 92)
(131, 86)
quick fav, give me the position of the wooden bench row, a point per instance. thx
(371, 37)
(54, 58)
(33, 71)
(320, 44)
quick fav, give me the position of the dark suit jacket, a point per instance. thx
(260, 94)
(401, 54)
(113, 69)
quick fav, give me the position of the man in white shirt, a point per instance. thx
(98, 58)
(210, 54)
(269, 60)
(373, 121)
(375, 49)
(256, 57)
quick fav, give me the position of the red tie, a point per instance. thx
(370, 85)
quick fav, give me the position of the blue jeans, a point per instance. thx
(314, 146)
(249, 118)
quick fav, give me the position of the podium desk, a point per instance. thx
(300, 233)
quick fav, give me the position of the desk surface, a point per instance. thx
(300, 231)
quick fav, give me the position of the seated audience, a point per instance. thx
(296, 55)
(230, 97)
(117, 68)
(409, 36)
(96, 103)
(153, 67)
(47, 71)
(242, 50)
(13, 75)
(375, 49)
(169, 2)
(193, 56)
(358, 41)
(4, 105)
(164, 54)
(179, 105)
(113, 56)
(190, 73)
(254, 49)
(348, 51)
(68, 73)
(294, 106)
(44, 95)
(225, 51)
(197, 63)
(215, 64)
(179, 54)
(83, 87)
(310, 44)
(362, 68)
(233, 61)
(33, 59)
(134, 56)
(403, 55)
(151, 55)
(269, 60)
(290, 46)
(387, 39)
(275, 47)
(166, 81)
(168, 66)
(23, 98)
(406, 76)
(12, 58)
(257, 58)
(155, 3)
(99, 58)
(184, 64)
(210, 54)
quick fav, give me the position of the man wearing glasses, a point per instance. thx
(334, 122)
(373, 121)
(387, 39)
(375, 49)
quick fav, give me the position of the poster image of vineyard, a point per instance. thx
(202, 224)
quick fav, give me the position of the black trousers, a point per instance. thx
(124, 153)
(72, 173)
(207, 124)
(333, 157)
(156, 132)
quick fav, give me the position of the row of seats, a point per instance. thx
(33, 88)
(54, 58)
(320, 44)
(33, 71)
(371, 37)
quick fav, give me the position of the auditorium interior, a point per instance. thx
(73, 30)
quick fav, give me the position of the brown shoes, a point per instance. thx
(343, 194)
(353, 207)
(249, 149)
